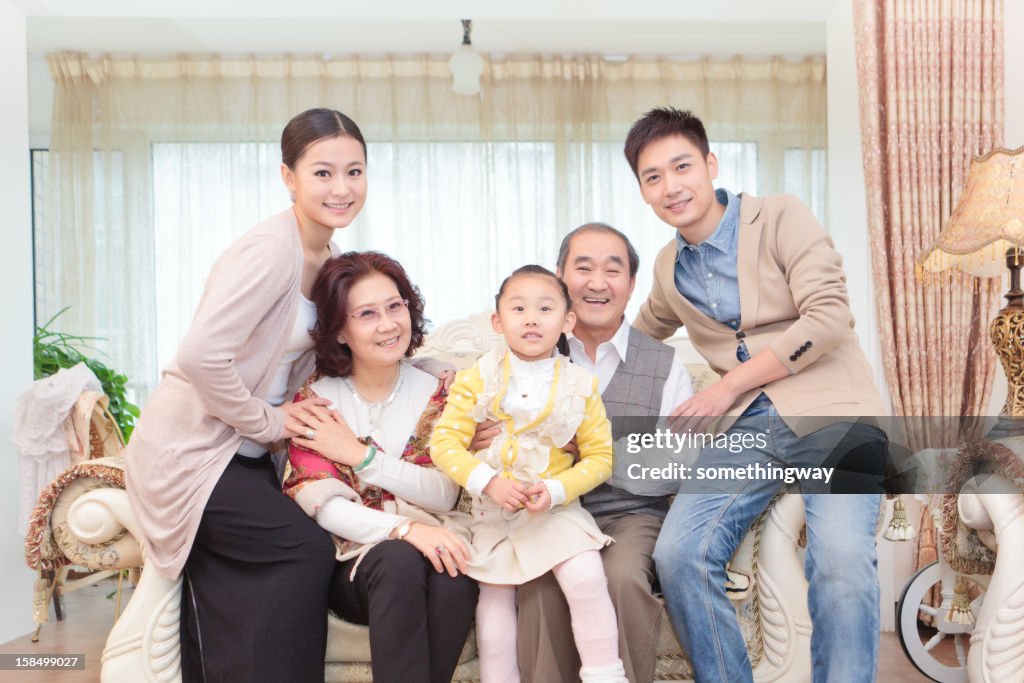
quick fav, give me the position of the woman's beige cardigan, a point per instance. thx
(207, 400)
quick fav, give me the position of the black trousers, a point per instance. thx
(418, 618)
(254, 597)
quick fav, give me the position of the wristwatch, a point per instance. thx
(403, 530)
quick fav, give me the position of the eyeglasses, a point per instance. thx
(373, 314)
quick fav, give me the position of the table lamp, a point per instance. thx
(984, 235)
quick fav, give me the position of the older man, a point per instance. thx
(638, 377)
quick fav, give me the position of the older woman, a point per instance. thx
(362, 470)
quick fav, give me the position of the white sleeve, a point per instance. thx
(678, 387)
(479, 478)
(557, 491)
(424, 487)
(355, 522)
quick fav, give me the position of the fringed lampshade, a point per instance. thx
(987, 222)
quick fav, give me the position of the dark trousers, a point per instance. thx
(254, 597)
(418, 618)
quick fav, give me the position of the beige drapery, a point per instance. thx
(930, 76)
(156, 165)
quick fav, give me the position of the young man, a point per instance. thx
(762, 293)
(638, 378)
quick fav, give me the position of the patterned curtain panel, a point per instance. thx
(930, 75)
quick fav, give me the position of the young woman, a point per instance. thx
(202, 483)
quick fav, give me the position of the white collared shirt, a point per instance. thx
(678, 386)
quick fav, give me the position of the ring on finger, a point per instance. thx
(310, 434)
(440, 549)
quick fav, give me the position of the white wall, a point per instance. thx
(40, 102)
(16, 322)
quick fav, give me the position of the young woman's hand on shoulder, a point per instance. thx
(314, 426)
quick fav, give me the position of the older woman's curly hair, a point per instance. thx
(330, 294)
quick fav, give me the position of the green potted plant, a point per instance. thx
(54, 350)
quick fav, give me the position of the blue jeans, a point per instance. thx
(708, 520)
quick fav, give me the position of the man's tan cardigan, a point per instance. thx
(793, 301)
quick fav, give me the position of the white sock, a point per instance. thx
(613, 673)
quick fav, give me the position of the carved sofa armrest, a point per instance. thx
(995, 504)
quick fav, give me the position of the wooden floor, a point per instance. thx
(89, 615)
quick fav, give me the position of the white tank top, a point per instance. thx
(299, 342)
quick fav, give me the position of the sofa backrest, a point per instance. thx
(460, 342)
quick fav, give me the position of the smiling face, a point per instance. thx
(675, 180)
(597, 275)
(376, 340)
(328, 182)
(532, 314)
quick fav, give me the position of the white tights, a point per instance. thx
(593, 619)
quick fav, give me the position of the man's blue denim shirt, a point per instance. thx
(706, 274)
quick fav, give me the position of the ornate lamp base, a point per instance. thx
(1007, 333)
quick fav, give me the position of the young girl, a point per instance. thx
(527, 519)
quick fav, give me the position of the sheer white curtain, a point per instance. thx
(156, 165)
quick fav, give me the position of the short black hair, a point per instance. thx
(659, 123)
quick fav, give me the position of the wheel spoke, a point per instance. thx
(961, 654)
(936, 639)
(928, 609)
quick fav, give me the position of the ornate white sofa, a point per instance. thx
(991, 509)
(143, 644)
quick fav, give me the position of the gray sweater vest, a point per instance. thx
(635, 391)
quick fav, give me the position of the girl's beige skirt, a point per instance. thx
(511, 548)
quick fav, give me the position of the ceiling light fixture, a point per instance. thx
(466, 64)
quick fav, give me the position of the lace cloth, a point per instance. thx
(43, 436)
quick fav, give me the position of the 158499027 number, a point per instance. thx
(25, 661)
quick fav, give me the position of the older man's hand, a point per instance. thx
(485, 433)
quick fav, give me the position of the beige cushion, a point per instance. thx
(348, 642)
(702, 375)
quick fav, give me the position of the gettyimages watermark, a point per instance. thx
(664, 440)
(836, 454)
(771, 472)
